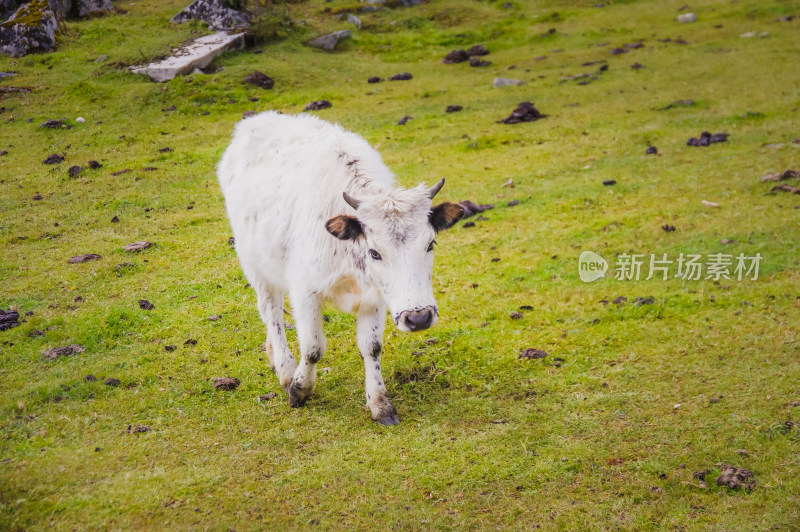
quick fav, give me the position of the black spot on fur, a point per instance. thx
(314, 356)
(375, 351)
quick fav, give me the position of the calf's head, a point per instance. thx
(395, 236)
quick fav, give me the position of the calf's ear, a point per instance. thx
(344, 227)
(445, 215)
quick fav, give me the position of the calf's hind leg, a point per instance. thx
(270, 306)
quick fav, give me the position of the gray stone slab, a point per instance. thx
(198, 54)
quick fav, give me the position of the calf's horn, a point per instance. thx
(435, 188)
(354, 203)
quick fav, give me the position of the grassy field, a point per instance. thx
(606, 432)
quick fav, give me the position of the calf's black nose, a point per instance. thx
(418, 320)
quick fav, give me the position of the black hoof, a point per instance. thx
(388, 420)
(297, 397)
(387, 415)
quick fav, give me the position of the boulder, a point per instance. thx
(32, 28)
(329, 41)
(197, 54)
(215, 14)
(7, 8)
(92, 7)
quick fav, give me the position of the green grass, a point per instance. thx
(486, 440)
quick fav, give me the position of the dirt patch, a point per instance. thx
(706, 139)
(402, 76)
(138, 246)
(94, 165)
(259, 79)
(530, 353)
(138, 429)
(317, 105)
(651, 150)
(516, 315)
(786, 188)
(8, 319)
(69, 350)
(53, 124)
(525, 112)
(74, 170)
(374, 79)
(456, 56)
(120, 172)
(471, 209)
(478, 62)
(226, 383)
(782, 176)
(113, 382)
(453, 108)
(267, 396)
(639, 301)
(676, 104)
(146, 305)
(478, 49)
(403, 121)
(609, 182)
(735, 478)
(86, 257)
(53, 159)
(90, 378)
(166, 149)
(668, 228)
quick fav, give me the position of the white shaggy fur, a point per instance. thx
(283, 177)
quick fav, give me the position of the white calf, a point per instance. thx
(288, 183)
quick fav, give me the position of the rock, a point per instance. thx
(531, 353)
(53, 124)
(259, 79)
(7, 8)
(618, 51)
(32, 28)
(74, 170)
(90, 378)
(453, 108)
(477, 62)
(165, 150)
(456, 56)
(248, 114)
(478, 49)
(214, 13)
(404, 120)
(525, 112)
(37, 197)
(215, 317)
(354, 20)
(56, 352)
(505, 82)
(8, 320)
(736, 478)
(146, 305)
(79, 259)
(651, 150)
(226, 383)
(80, 120)
(687, 18)
(668, 228)
(467, 225)
(3, 153)
(197, 54)
(316, 106)
(138, 246)
(707, 139)
(94, 165)
(402, 76)
(637, 66)
(709, 204)
(112, 382)
(329, 41)
(786, 188)
(633, 45)
(374, 79)
(267, 396)
(138, 429)
(93, 7)
(512, 203)
(609, 182)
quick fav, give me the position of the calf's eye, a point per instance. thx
(430, 246)
(375, 255)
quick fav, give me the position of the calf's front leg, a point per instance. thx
(311, 337)
(369, 332)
